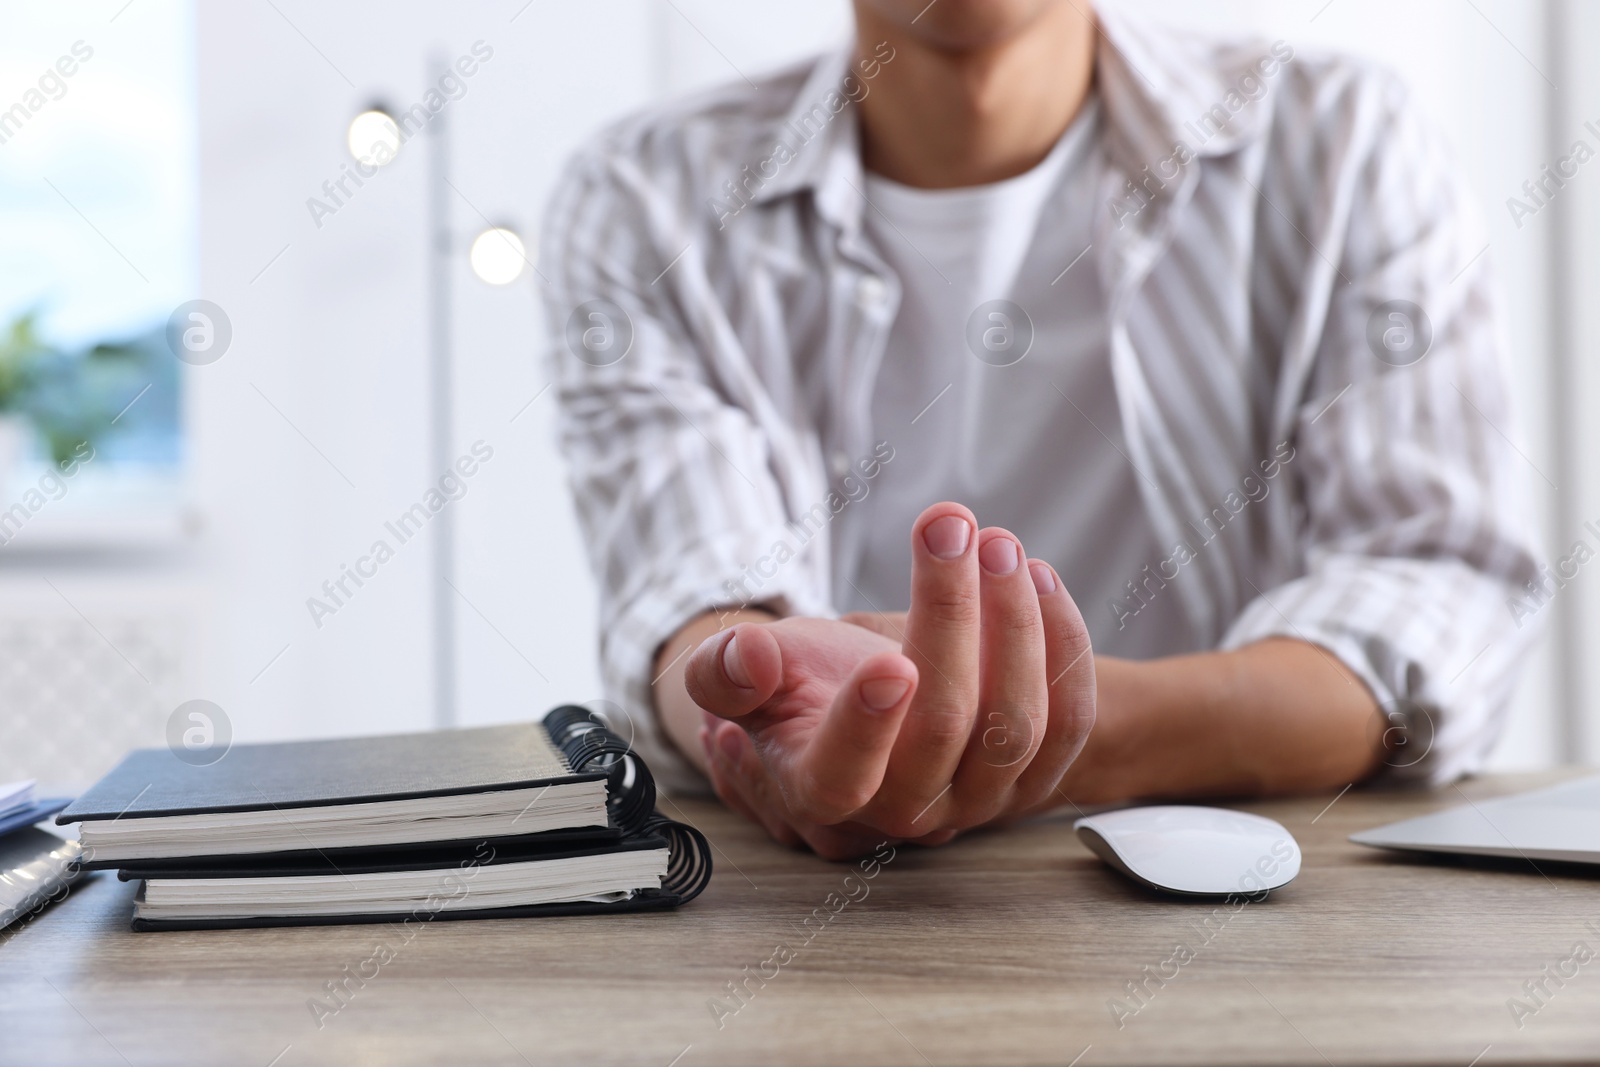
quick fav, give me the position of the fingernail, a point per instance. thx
(999, 555)
(733, 664)
(728, 741)
(1043, 580)
(881, 694)
(947, 538)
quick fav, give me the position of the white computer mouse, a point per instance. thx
(1194, 851)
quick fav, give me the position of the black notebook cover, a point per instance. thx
(295, 774)
(688, 873)
(414, 855)
(453, 857)
(644, 900)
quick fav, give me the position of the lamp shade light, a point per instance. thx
(373, 137)
(497, 256)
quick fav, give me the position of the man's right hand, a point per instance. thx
(971, 717)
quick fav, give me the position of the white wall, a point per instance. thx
(334, 334)
(334, 331)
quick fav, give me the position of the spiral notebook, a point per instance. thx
(553, 817)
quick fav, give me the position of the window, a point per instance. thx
(98, 205)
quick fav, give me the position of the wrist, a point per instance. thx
(1091, 777)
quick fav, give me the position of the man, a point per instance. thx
(1204, 327)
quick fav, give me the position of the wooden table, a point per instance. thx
(1001, 948)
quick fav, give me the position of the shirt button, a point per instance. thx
(871, 292)
(840, 463)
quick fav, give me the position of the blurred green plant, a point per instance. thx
(20, 354)
(69, 397)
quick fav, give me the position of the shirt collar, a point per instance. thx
(822, 131)
(1156, 88)
(1165, 91)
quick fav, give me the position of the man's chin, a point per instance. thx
(959, 25)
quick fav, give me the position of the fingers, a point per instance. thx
(844, 761)
(729, 759)
(743, 783)
(942, 641)
(733, 673)
(841, 842)
(1013, 696)
(1070, 673)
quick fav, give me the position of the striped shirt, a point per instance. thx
(1297, 292)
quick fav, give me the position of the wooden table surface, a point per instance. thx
(1000, 948)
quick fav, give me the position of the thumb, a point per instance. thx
(735, 672)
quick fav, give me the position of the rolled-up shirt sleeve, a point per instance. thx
(671, 477)
(1416, 537)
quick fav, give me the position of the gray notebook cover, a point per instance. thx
(296, 774)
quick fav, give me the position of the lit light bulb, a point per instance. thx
(373, 138)
(497, 256)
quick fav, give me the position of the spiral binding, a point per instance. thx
(586, 740)
(688, 858)
(588, 743)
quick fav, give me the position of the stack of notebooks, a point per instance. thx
(549, 818)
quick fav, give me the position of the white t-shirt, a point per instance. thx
(1033, 444)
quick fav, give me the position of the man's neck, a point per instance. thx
(941, 119)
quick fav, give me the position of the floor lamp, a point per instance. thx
(497, 256)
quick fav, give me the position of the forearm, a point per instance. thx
(1278, 716)
(677, 714)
